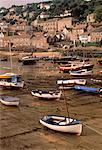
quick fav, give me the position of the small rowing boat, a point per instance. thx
(11, 80)
(10, 101)
(46, 94)
(83, 72)
(88, 89)
(62, 124)
(71, 81)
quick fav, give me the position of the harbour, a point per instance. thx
(20, 127)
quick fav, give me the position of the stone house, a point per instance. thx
(56, 24)
(85, 37)
(21, 26)
(78, 30)
(50, 25)
(37, 41)
(67, 32)
(91, 18)
(67, 21)
(16, 40)
(96, 34)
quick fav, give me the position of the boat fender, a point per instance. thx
(40, 92)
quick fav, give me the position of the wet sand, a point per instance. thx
(20, 128)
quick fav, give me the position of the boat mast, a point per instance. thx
(10, 55)
(66, 103)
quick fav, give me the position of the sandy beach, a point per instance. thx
(19, 126)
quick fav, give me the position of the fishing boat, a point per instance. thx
(69, 84)
(71, 81)
(68, 67)
(10, 101)
(64, 60)
(29, 60)
(62, 124)
(46, 94)
(75, 66)
(88, 89)
(83, 72)
(11, 80)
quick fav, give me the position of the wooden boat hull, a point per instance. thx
(67, 69)
(75, 67)
(29, 60)
(73, 128)
(84, 73)
(11, 80)
(46, 95)
(11, 84)
(8, 102)
(72, 81)
(88, 89)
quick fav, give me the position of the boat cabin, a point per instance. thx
(11, 78)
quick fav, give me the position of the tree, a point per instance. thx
(98, 12)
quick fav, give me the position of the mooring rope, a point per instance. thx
(92, 129)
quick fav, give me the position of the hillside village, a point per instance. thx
(28, 29)
(51, 75)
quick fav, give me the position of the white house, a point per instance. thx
(43, 15)
(1, 35)
(43, 5)
(84, 38)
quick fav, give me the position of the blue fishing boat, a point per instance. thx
(88, 89)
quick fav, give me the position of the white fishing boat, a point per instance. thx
(71, 81)
(11, 80)
(10, 101)
(73, 66)
(62, 124)
(83, 72)
(46, 94)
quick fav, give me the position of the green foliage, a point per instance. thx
(98, 12)
(80, 8)
(97, 44)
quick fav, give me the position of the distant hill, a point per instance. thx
(79, 8)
